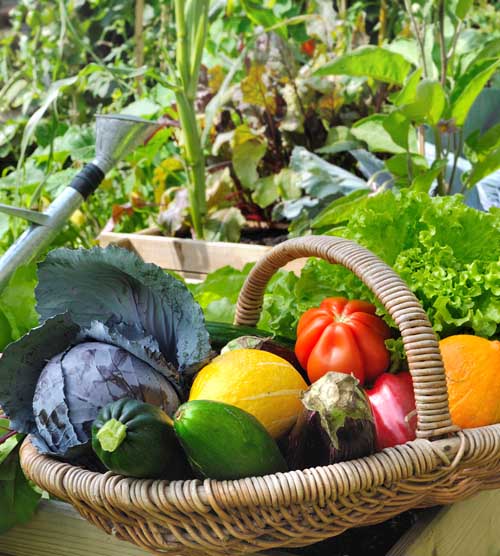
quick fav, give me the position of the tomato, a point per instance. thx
(308, 47)
(343, 336)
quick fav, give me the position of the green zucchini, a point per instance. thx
(222, 333)
(225, 337)
(136, 439)
(225, 442)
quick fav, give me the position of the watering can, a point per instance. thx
(116, 137)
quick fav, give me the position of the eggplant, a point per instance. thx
(335, 425)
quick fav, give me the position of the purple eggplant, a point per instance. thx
(336, 424)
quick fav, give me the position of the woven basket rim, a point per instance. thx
(223, 517)
(413, 459)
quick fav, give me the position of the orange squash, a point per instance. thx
(472, 366)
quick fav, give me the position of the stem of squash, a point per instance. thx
(111, 435)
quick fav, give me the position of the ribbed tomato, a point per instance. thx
(343, 336)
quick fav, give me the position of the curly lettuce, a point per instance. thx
(447, 253)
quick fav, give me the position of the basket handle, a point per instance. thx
(420, 342)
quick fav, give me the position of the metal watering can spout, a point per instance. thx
(116, 137)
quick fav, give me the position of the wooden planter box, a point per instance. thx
(463, 529)
(190, 258)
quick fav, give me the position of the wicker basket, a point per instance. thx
(299, 507)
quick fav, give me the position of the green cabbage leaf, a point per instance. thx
(115, 285)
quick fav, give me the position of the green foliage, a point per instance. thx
(17, 497)
(265, 83)
(463, 7)
(218, 294)
(428, 104)
(446, 252)
(248, 150)
(370, 61)
(485, 166)
(374, 131)
(468, 87)
(17, 305)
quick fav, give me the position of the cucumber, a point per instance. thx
(221, 333)
(136, 439)
(225, 442)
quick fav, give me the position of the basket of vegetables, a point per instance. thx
(137, 420)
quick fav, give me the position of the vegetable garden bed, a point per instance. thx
(189, 258)
(344, 133)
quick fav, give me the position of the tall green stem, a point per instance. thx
(195, 161)
(442, 44)
(196, 53)
(139, 39)
(182, 54)
(420, 38)
(442, 187)
(188, 61)
(456, 154)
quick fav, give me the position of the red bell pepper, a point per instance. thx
(393, 406)
(343, 336)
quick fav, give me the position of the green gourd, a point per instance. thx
(225, 442)
(136, 439)
(221, 333)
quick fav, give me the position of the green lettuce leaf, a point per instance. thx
(218, 295)
(446, 252)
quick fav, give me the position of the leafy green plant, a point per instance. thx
(432, 120)
(446, 252)
(17, 497)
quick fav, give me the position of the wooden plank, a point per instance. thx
(191, 256)
(58, 530)
(470, 527)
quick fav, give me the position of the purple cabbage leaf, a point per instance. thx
(56, 378)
